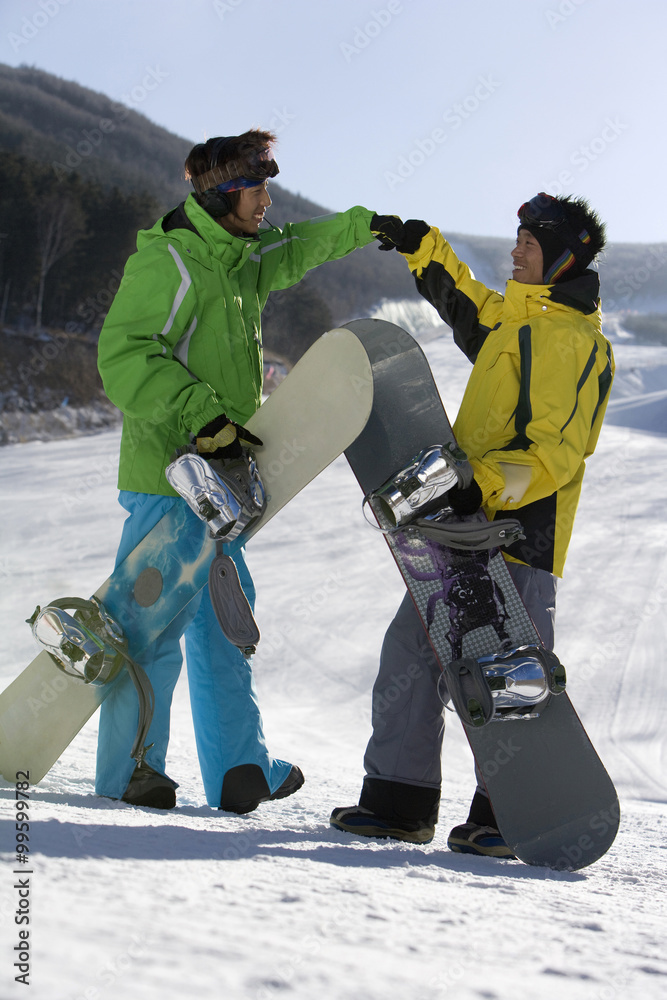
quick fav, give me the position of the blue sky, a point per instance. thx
(449, 111)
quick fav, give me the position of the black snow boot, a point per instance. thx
(394, 809)
(480, 834)
(244, 787)
(150, 788)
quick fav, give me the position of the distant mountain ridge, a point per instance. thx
(70, 127)
(73, 129)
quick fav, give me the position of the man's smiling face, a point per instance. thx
(248, 215)
(528, 259)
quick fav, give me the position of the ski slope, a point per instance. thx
(277, 906)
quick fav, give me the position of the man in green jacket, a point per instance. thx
(530, 417)
(180, 353)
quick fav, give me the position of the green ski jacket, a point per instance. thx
(182, 340)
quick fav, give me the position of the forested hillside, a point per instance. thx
(80, 173)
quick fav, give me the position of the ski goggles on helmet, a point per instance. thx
(242, 172)
(544, 212)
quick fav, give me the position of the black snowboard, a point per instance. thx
(554, 802)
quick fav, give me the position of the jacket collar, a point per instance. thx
(204, 238)
(581, 294)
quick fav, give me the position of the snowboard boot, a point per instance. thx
(480, 834)
(363, 822)
(394, 809)
(150, 788)
(245, 786)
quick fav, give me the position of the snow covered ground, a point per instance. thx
(132, 903)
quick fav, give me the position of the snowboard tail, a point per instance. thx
(553, 800)
(306, 423)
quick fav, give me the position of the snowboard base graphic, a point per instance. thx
(554, 802)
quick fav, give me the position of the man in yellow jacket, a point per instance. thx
(530, 416)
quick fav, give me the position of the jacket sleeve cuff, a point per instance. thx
(490, 481)
(200, 418)
(362, 223)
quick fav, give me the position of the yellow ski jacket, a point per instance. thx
(534, 404)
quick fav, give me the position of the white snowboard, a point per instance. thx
(307, 422)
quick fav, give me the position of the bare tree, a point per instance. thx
(60, 226)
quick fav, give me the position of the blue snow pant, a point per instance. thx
(227, 721)
(408, 713)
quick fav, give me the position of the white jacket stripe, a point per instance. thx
(186, 281)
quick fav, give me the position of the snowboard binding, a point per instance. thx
(416, 497)
(421, 487)
(513, 684)
(91, 646)
(227, 495)
(83, 645)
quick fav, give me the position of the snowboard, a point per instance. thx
(554, 802)
(306, 423)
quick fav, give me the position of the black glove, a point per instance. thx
(223, 438)
(388, 229)
(395, 234)
(414, 231)
(466, 499)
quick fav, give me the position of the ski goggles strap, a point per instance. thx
(237, 174)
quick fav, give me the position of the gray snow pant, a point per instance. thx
(403, 756)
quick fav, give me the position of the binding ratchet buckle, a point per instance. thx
(416, 499)
(514, 684)
(420, 487)
(228, 495)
